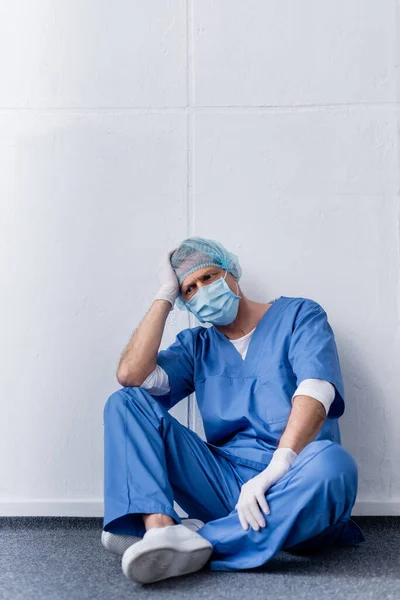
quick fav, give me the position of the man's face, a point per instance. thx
(204, 276)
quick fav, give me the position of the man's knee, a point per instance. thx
(112, 402)
(332, 461)
(118, 399)
(131, 395)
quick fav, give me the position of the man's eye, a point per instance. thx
(208, 276)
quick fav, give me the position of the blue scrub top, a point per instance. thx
(245, 404)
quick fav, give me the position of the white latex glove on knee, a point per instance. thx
(169, 284)
(252, 493)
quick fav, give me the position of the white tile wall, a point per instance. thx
(127, 126)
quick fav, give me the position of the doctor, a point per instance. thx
(271, 475)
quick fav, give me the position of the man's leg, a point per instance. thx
(318, 492)
(150, 460)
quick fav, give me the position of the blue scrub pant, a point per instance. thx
(151, 459)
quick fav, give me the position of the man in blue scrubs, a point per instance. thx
(272, 474)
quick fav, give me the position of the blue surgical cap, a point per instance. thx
(198, 252)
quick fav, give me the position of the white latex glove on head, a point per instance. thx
(169, 284)
(252, 493)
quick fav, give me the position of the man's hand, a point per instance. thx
(169, 284)
(305, 421)
(252, 494)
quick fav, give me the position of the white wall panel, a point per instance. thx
(89, 204)
(69, 53)
(286, 53)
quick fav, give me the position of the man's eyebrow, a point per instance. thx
(192, 282)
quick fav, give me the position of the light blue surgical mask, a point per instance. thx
(215, 303)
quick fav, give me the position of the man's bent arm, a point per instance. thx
(305, 421)
(139, 358)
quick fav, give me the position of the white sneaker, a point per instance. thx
(116, 543)
(165, 552)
